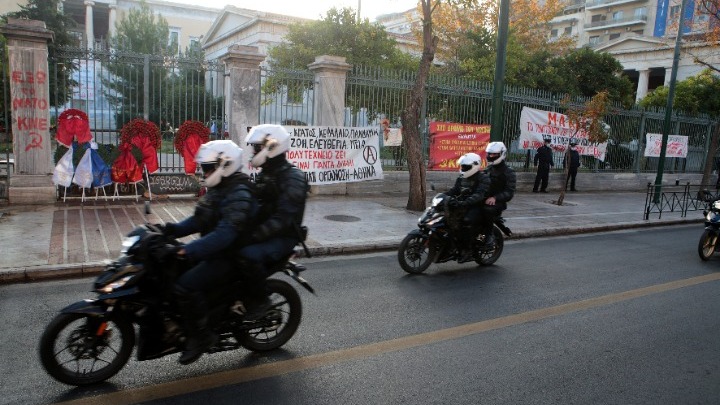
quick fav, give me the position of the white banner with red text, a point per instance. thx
(535, 125)
(677, 146)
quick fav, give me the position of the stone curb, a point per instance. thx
(65, 271)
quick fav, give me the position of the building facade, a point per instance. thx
(640, 34)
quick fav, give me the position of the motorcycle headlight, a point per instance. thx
(115, 285)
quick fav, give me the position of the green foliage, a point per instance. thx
(585, 72)
(695, 95)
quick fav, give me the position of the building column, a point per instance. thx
(89, 28)
(329, 101)
(642, 87)
(242, 89)
(329, 104)
(27, 48)
(668, 74)
(111, 19)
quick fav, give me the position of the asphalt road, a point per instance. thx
(615, 318)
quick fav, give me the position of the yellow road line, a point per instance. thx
(231, 377)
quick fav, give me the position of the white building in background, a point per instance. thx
(640, 34)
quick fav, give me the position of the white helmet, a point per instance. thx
(267, 141)
(498, 152)
(469, 164)
(218, 159)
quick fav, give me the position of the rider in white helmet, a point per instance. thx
(467, 195)
(501, 190)
(222, 217)
(282, 189)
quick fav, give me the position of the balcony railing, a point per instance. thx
(632, 20)
(607, 3)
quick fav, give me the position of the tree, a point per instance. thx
(139, 33)
(60, 82)
(695, 95)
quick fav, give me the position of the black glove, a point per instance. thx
(168, 229)
(453, 203)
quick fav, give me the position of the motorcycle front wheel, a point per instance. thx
(486, 257)
(706, 245)
(79, 349)
(280, 322)
(414, 254)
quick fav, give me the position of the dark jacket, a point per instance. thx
(222, 216)
(502, 183)
(470, 191)
(544, 156)
(282, 190)
(574, 159)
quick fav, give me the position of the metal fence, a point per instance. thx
(114, 87)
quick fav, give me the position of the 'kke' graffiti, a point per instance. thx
(26, 101)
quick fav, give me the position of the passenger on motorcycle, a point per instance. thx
(282, 190)
(222, 217)
(468, 195)
(501, 190)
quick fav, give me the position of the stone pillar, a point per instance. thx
(329, 103)
(27, 45)
(242, 89)
(89, 28)
(112, 17)
(668, 74)
(642, 87)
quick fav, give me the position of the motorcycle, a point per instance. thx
(708, 240)
(434, 242)
(91, 340)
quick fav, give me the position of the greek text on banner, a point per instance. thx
(331, 155)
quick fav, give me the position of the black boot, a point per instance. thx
(194, 312)
(255, 296)
(489, 242)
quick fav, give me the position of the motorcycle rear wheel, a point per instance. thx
(706, 245)
(280, 322)
(486, 257)
(71, 349)
(414, 254)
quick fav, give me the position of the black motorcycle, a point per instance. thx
(91, 340)
(708, 240)
(434, 242)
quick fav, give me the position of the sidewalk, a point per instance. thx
(73, 239)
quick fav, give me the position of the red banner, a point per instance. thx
(449, 141)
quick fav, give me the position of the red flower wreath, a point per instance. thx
(144, 135)
(188, 139)
(73, 123)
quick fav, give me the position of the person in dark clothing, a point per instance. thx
(573, 156)
(282, 190)
(543, 161)
(502, 188)
(467, 196)
(222, 216)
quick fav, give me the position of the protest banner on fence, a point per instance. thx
(677, 146)
(536, 124)
(449, 141)
(331, 155)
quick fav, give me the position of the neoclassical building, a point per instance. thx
(640, 34)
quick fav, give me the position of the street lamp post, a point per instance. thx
(496, 120)
(669, 106)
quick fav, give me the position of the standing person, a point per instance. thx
(222, 217)
(502, 188)
(543, 161)
(467, 197)
(282, 190)
(574, 157)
